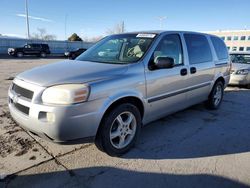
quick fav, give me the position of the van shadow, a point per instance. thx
(114, 177)
(198, 132)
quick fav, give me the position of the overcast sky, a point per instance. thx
(93, 17)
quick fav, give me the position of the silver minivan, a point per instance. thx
(120, 84)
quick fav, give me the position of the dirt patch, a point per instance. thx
(35, 150)
(32, 158)
(10, 144)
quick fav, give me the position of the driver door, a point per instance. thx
(27, 49)
(166, 87)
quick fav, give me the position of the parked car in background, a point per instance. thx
(121, 83)
(41, 50)
(240, 73)
(74, 53)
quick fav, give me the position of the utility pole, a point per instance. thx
(123, 27)
(65, 26)
(161, 19)
(27, 19)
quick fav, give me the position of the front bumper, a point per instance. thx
(239, 79)
(69, 123)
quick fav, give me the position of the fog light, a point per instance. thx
(46, 117)
(50, 117)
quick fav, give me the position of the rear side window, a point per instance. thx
(198, 48)
(220, 48)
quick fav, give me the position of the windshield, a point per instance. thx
(240, 58)
(119, 49)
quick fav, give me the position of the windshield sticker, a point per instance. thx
(145, 35)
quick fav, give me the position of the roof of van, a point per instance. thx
(165, 31)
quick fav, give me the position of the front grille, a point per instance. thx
(23, 92)
(21, 108)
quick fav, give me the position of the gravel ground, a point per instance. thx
(191, 148)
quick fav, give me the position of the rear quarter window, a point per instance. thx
(220, 48)
(198, 48)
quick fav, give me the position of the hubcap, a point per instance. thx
(19, 55)
(123, 130)
(218, 95)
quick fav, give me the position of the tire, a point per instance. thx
(216, 96)
(73, 56)
(19, 54)
(43, 54)
(116, 136)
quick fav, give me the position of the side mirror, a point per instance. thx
(164, 63)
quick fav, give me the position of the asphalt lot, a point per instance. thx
(192, 148)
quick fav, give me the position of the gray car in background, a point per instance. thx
(240, 73)
(121, 83)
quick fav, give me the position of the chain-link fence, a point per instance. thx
(56, 46)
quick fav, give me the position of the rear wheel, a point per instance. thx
(119, 130)
(19, 54)
(216, 96)
(43, 54)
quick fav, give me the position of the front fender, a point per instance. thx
(120, 95)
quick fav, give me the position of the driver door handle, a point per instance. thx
(192, 70)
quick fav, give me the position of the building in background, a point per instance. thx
(236, 40)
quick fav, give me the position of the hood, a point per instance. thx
(71, 72)
(237, 66)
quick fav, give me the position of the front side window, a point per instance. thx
(119, 49)
(170, 46)
(27, 46)
(198, 48)
(220, 48)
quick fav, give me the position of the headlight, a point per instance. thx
(66, 53)
(242, 71)
(66, 94)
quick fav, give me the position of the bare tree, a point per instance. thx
(118, 28)
(43, 35)
(93, 39)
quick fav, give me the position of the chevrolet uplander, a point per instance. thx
(119, 84)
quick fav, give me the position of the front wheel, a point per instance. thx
(216, 96)
(119, 130)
